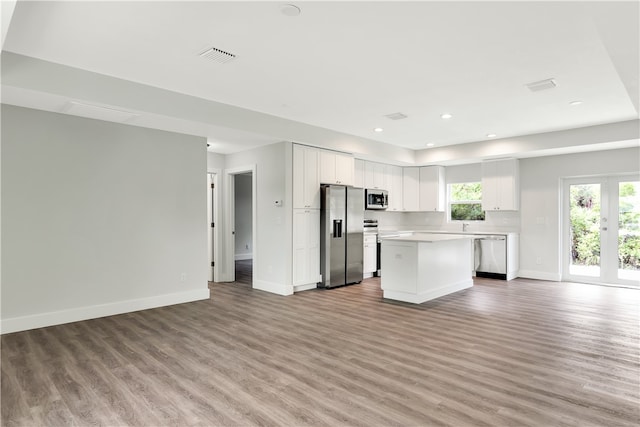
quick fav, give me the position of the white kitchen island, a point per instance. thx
(422, 266)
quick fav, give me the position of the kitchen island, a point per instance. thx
(423, 266)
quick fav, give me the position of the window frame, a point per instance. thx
(463, 202)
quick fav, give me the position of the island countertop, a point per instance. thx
(426, 237)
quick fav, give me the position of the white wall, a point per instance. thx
(272, 244)
(98, 218)
(243, 217)
(540, 197)
(215, 162)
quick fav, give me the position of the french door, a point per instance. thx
(602, 230)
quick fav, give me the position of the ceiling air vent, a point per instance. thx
(396, 116)
(218, 55)
(541, 85)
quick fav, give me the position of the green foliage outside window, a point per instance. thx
(465, 201)
(585, 225)
(629, 226)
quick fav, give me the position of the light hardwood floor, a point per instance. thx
(513, 353)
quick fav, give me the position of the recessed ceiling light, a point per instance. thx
(378, 129)
(446, 115)
(491, 135)
(575, 103)
(431, 144)
(290, 10)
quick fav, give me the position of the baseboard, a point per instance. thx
(540, 275)
(427, 295)
(274, 288)
(42, 320)
(242, 257)
(300, 288)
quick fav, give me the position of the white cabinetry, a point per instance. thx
(370, 254)
(374, 175)
(306, 247)
(358, 173)
(500, 185)
(432, 189)
(395, 187)
(336, 168)
(411, 189)
(306, 177)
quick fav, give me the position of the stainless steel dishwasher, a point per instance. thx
(491, 257)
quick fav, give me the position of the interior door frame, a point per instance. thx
(608, 239)
(213, 215)
(229, 209)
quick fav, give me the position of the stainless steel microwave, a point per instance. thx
(376, 199)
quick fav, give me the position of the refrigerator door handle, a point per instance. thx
(337, 228)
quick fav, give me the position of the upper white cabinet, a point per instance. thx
(432, 189)
(411, 188)
(501, 185)
(395, 187)
(336, 168)
(375, 175)
(306, 177)
(358, 173)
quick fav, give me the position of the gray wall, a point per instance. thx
(98, 218)
(243, 216)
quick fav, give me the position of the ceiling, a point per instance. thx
(344, 66)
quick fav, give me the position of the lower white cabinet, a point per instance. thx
(370, 254)
(306, 246)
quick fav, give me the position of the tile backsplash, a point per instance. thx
(506, 221)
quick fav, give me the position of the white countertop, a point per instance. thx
(382, 233)
(426, 237)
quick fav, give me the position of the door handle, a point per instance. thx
(337, 228)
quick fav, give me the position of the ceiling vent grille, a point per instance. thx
(541, 85)
(217, 55)
(396, 116)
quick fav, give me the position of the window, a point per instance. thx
(465, 202)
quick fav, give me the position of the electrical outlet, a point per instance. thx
(183, 277)
(539, 260)
(246, 246)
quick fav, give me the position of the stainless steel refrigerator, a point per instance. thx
(341, 229)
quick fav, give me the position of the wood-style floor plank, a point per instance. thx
(518, 353)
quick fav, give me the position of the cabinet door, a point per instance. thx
(370, 253)
(411, 188)
(299, 247)
(500, 185)
(395, 187)
(313, 246)
(432, 189)
(306, 179)
(344, 169)
(327, 167)
(358, 173)
(374, 175)
(306, 246)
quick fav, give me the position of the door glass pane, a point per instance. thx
(629, 230)
(584, 214)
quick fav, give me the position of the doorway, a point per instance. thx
(243, 227)
(240, 231)
(212, 218)
(602, 230)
